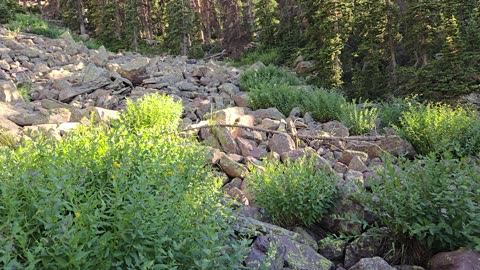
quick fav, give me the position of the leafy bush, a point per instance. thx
(6, 12)
(267, 75)
(390, 112)
(107, 198)
(266, 56)
(441, 128)
(436, 202)
(359, 118)
(324, 105)
(153, 111)
(283, 97)
(32, 24)
(296, 193)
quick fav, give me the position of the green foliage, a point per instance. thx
(7, 10)
(283, 97)
(266, 14)
(359, 118)
(269, 75)
(108, 198)
(292, 194)
(390, 112)
(25, 89)
(441, 128)
(266, 56)
(436, 202)
(324, 105)
(153, 111)
(33, 24)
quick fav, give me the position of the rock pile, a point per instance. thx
(66, 82)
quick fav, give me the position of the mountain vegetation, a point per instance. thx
(369, 48)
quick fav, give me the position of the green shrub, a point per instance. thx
(6, 12)
(296, 193)
(266, 56)
(324, 105)
(390, 112)
(268, 75)
(107, 198)
(359, 118)
(156, 111)
(435, 202)
(283, 97)
(32, 24)
(441, 128)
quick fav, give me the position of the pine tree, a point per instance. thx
(266, 15)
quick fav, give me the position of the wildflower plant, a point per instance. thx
(106, 197)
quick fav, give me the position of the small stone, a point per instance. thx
(375, 263)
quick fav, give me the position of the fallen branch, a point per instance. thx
(215, 56)
(332, 138)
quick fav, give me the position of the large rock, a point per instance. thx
(9, 93)
(104, 115)
(229, 88)
(99, 57)
(375, 263)
(304, 67)
(280, 143)
(282, 252)
(348, 155)
(67, 94)
(397, 146)
(332, 248)
(455, 260)
(227, 142)
(272, 113)
(186, 86)
(26, 119)
(134, 69)
(335, 128)
(227, 116)
(231, 167)
(250, 148)
(344, 206)
(374, 242)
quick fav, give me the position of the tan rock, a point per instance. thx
(232, 168)
(280, 143)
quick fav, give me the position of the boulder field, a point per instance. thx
(67, 83)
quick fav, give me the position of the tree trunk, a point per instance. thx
(81, 19)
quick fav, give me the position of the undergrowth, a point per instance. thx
(294, 193)
(106, 197)
(435, 201)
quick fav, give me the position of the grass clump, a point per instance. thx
(359, 118)
(324, 105)
(292, 194)
(266, 56)
(267, 75)
(106, 198)
(441, 128)
(436, 202)
(33, 24)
